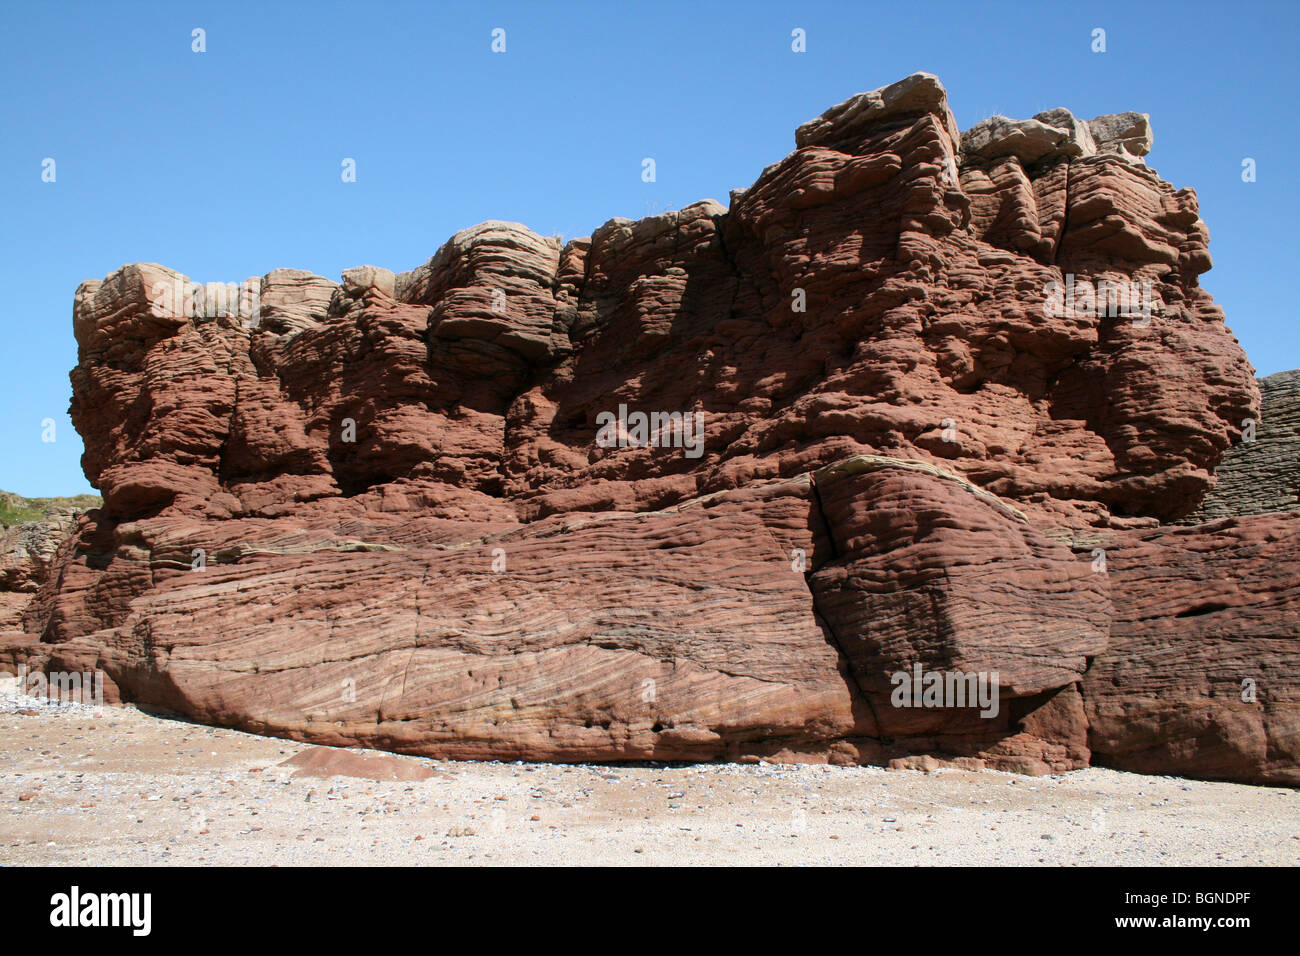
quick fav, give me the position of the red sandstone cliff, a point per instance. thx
(383, 514)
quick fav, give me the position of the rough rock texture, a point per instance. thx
(31, 531)
(382, 511)
(1263, 475)
(1057, 134)
(1203, 667)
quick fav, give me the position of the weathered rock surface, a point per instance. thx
(1057, 134)
(387, 511)
(1203, 666)
(31, 531)
(1256, 477)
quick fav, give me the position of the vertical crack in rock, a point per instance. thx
(1065, 216)
(846, 665)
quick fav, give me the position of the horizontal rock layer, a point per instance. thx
(1261, 475)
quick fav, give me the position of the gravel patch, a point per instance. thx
(113, 785)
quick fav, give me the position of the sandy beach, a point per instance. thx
(112, 785)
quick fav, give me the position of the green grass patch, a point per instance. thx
(15, 509)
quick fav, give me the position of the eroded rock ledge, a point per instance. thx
(411, 537)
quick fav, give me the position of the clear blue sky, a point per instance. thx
(226, 164)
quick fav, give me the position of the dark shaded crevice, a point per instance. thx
(223, 478)
(821, 512)
(1210, 607)
(824, 622)
(1065, 215)
(719, 225)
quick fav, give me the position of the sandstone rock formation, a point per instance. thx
(31, 530)
(1263, 475)
(1200, 675)
(387, 511)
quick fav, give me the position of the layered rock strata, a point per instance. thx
(916, 402)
